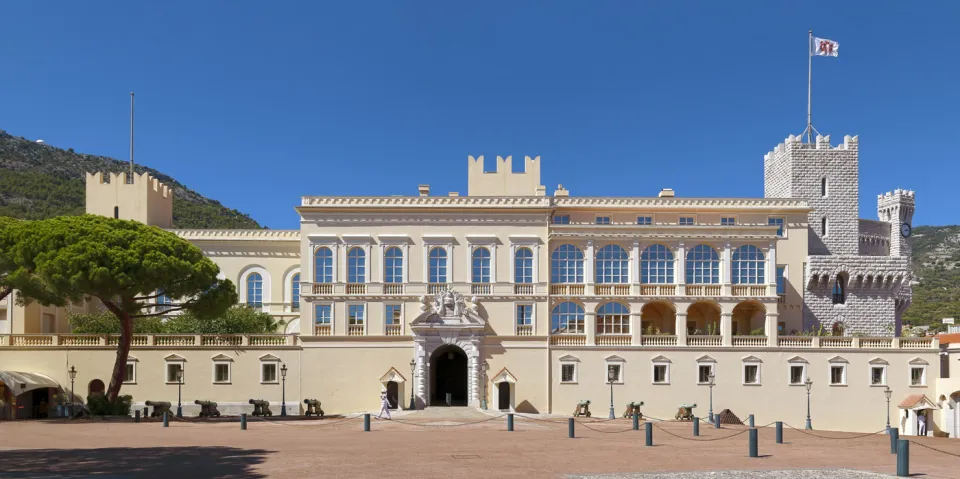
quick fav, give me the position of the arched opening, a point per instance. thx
(703, 319)
(840, 289)
(503, 396)
(393, 394)
(749, 317)
(448, 376)
(658, 317)
(95, 387)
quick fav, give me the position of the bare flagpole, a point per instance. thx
(809, 130)
(131, 137)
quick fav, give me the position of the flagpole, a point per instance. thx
(809, 129)
(131, 136)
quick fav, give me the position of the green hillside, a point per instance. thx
(936, 263)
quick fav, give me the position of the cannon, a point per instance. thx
(159, 407)
(583, 409)
(261, 407)
(685, 412)
(313, 407)
(633, 408)
(207, 408)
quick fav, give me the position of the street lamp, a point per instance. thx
(808, 384)
(413, 368)
(710, 378)
(483, 401)
(888, 392)
(283, 398)
(611, 376)
(179, 390)
(73, 375)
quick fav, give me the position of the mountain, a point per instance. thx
(40, 181)
(936, 263)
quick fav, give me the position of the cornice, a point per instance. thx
(237, 235)
(667, 232)
(309, 202)
(763, 204)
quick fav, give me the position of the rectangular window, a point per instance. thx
(603, 220)
(324, 313)
(524, 314)
(823, 186)
(781, 327)
(268, 372)
(796, 374)
(823, 226)
(878, 376)
(918, 376)
(568, 373)
(703, 373)
(614, 371)
(221, 372)
(644, 220)
(660, 374)
(392, 314)
(686, 221)
(561, 219)
(751, 374)
(838, 375)
(728, 221)
(172, 369)
(355, 314)
(130, 373)
(781, 280)
(778, 222)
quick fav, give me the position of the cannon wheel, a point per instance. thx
(588, 414)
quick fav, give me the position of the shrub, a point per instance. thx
(99, 406)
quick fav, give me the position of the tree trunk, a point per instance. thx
(123, 350)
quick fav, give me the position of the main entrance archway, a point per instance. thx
(448, 375)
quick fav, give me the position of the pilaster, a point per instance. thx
(680, 329)
(590, 324)
(636, 330)
(771, 329)
(681, 267)
(726, 328)
(588, 265)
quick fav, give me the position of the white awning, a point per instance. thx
(19, 382)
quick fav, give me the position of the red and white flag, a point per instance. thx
(825, 48)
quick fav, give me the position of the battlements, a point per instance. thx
(503, 181)
(138, 197)
(896, 197)
(822, 143)
(138, 179)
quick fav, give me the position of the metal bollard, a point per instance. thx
(136, 416)
(750, 420)
(649, 431)
(166, 419)
(903, 458)
(509, 421)
(696, 426)
(894, 437)
(753, 443)
(779, 432)
(570, 426)
(366, 422)
(243, 421)
(636, 422)
(716, 421)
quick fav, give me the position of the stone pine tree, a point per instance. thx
(7, 225)
(125, 265)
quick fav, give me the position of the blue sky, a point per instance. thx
(257, 103)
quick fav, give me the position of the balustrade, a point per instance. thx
(711, 340)
(322, 288)
(525, 289)
(748, 290)
(393, 288)
(879, 343)
(568, 340)
(795, 341)
(222, 340)
(658, 289)
(704, 290)
(322, 330)
(176, 340)
(355, 330)
(434, 288)
(658, 340)
(567, 289)
(480, 288)
(393, 330)
(612, 290)
(613, 340)
(356, 288)
(524, 330)
(268, 340)
(749, 341)
(836, 342)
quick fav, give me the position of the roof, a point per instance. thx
(917, 402)
(949, 338)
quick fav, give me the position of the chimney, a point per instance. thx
(454, 193)
(424, 190)
(561, 191)
(666, 193)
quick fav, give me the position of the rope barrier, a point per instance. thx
(705, 440)
(837, 438)
(605, 432)
(933, 448)
(304, 423)
(410, 423)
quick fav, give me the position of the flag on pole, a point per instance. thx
(825, 48)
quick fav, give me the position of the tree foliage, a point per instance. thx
(124, 264)
(236, 320)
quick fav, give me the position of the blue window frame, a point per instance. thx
(613, 318)
(778, 222)
(523, 266)
(254, 290)
(561, 219)
(686, 221)
(644, 220)
(781, 280)
(355, 313)
(323, 313)
(392, 313)
(703, 265)
(728, 221)
(295, 292)
(613, 265)
(323, 265)
(481, 265)
(438, 265)
(524, 314)
(566, 264)
(393, 265)
(747, 265)
(567, 318)
(603, 220)
(840, 290)
(356, 265)
(656, 265)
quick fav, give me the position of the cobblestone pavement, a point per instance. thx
(437, 445)
(789, 474)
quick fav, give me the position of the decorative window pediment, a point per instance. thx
(837, 359)
(174, 358)
(221, 357)
(751, 359)
(706, 359)
(269, 357)
(614, 359)
(797, 360)
(918, 362)
(131, 358)
(569, 359)
(504, 376)
(661, 359)
(392, 375)
(879, 362)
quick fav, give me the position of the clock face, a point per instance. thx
(905, 230)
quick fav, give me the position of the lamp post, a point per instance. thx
(413, 368)
(888, 392)
(179, 390)
(283, 390)
(73, 376)
(611, 376)
(809, 384)
(710, 378)
(483, 401)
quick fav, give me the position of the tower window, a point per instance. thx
(823, 186)
(839, 290)
(823, 226)
(116, 212)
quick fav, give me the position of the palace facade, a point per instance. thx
(511, 298)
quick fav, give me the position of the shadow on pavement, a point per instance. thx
(124, 462)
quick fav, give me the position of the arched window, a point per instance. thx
(656, 265)
(523, 266)
(295, 292)
(254, 290)
(356, 265)
(567, 318)
(393, 265)
(481, 265)
(613, 318)
(566, 264)
(323, 265)
(840, 290)
(164, 303)
(438, 265)
(703, 265)
(613, 265)
(747, 265)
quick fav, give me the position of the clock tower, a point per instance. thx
(896, 208)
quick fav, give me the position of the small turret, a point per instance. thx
(896, 207)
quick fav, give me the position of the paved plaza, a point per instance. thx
(446, 443)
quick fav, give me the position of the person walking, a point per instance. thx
(384, 405)
(922, 425)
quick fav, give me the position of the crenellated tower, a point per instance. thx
(503, 181)
(896, 208)
(139, 197)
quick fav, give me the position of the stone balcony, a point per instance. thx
(767, 291)
(162, 341)
(414, 290)
(716, 341)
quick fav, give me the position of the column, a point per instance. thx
(339, 266)
(726, 328)
(636, 329)
(725, 265)
(680, 272)
(772, 269)
(771, 329)
(590, 324)
(493, 264)
(680, 329)
(635, 263)
(588, 265)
